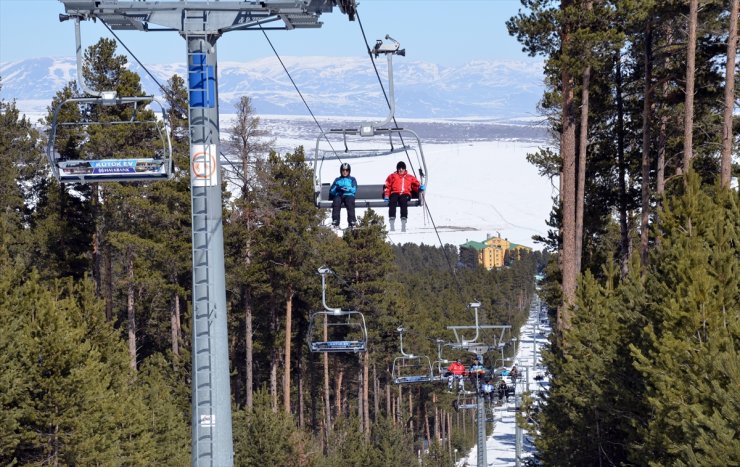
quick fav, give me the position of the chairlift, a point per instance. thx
(440, 365)
(466, 400)
(118, 167)
(410, 368)
(356, 143)
(334, 329)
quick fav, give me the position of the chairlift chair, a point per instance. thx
(334, 329)
(412, 369)
(337, 331)
(119, 167)
(440, 365)
(409, 368)
(355, 142)
(107, 167)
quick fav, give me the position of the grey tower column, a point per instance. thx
(481, 420)
(211, 398)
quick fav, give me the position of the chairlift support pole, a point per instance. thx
(201, 23)
(324, 271)
(478, 348)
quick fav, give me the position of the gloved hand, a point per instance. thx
(422, 188)
(386, 200)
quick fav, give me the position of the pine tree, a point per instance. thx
(688, 357)
(71, 396)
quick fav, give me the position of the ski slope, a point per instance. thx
(501, 445)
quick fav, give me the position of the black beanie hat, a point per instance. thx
(401, 165)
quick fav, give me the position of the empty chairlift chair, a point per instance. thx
(410, 368)
(105, 137)
(334, 329)
(84, 150)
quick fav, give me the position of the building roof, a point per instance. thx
(474, 245)
(514, 246)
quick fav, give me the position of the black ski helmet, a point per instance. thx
(401, 165)
(345, 166)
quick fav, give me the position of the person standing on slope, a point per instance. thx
(397, 191)
(342, 192)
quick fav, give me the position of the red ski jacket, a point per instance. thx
(402, 184)
(456, 368)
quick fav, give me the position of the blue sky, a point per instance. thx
(446, 32)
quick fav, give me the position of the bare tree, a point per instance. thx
(726, 153)
(246, 143)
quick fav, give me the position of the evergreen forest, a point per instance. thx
(641, 273)
(644, 278)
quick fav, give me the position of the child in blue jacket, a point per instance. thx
(343, 191)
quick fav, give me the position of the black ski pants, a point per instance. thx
(336, 206)
(397, 199)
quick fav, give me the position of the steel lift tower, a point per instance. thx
(201, 23)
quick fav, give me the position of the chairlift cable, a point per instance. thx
(300, 94)
(426, 206)
(166, 93)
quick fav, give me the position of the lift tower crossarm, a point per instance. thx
(221, 16)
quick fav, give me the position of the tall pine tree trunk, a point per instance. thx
(582, 153)
(273, 379)
(376, 389)
(338, 393)
(582, 158)
(663, 135)
(624, 251)
(646, 139)
(96, 240)
(131, 315)
(108, 288)
(388, 403)
(288, 338)
(248, 347)
(273, 357)
(327, 391)
(300, 391)
(360, 385)
(688, 120)
(366, 393)
(175, 324)
(727, 137)
(568, 193)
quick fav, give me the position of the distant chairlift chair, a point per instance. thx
(334, 329)
(410, 368)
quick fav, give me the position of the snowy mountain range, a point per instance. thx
(339, 86)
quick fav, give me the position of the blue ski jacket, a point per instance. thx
(343, 186)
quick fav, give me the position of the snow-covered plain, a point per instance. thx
(501, 445)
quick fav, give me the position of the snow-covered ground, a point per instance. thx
(501, 445)
(475, 190)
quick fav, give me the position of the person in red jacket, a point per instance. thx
(397, 192)
(455, 371)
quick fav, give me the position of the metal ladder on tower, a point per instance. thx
(198, 86)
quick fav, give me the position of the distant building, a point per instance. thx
(492, 252)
